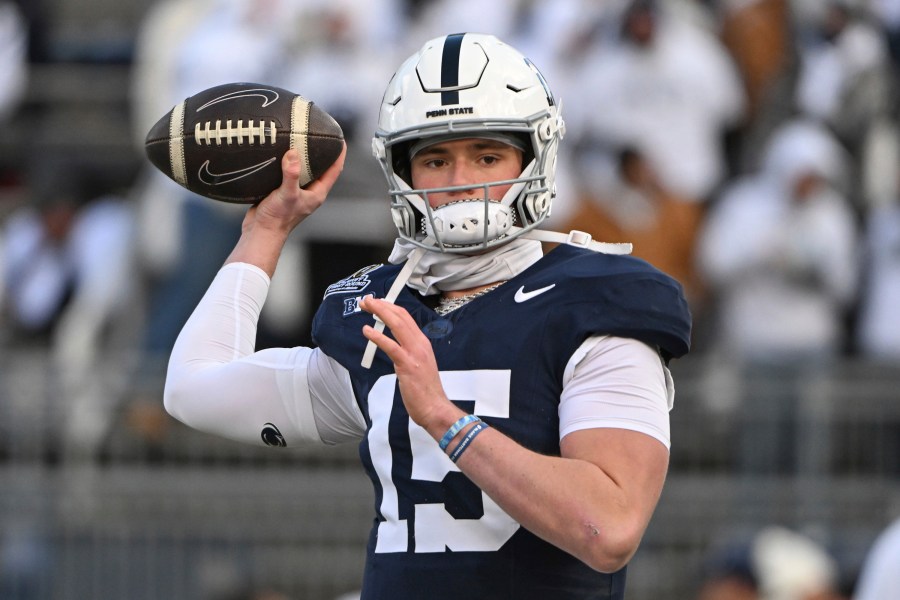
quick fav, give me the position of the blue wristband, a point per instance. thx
(455, 428)
(458, 451)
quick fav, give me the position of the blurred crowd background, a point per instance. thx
(750, 148)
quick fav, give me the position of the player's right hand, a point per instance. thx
(289, 204)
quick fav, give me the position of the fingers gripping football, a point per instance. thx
(289, 203)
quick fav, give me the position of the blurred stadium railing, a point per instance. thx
(155, 510)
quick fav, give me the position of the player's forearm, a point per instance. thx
(571, 503)
(260, 247)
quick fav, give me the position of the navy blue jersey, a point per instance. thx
(502, 356)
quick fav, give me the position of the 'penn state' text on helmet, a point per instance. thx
(469, 85)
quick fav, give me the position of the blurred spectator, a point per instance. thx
(661, 226)
(880, 575)
(877, 327)
(68, 249)
(758, 34)
(561, 59)
(68, 286)
(440, 17)
(779, 252)
(792, 566)
(14, 73)
(155, 84)
(844, 76)
(37, 18)
(665, 86)
(887, 13)
(340, 38)
(558, 56)
(779, 247)
(13, 58)
(774, 564)
(237, 40)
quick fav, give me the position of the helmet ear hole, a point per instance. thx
(400, 162)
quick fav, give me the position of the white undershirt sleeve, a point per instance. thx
(618, 383)
(217, 383)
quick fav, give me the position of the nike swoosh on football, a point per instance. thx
(522, 295)
(210, 178)
(268, 96)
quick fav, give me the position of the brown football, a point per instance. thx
(226, 142)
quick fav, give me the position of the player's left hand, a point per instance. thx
(414, 361)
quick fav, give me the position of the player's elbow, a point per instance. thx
(613, 561)
(610, 560)
(609, 551)
(171, 401)
(176, 398)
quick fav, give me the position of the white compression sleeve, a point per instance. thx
(619, 383)
(218, 384)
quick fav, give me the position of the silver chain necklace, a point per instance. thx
(448, 305)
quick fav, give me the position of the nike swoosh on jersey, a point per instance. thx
(523, 296)
(210, 178)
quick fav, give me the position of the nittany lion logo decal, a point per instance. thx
(271, 436)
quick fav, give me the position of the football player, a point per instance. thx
(511, 407)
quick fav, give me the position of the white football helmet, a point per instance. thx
(460, 86)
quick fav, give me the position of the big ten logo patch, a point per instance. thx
(351, 305)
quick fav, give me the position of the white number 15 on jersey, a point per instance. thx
(435, 528)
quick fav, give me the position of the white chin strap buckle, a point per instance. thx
(579, 238)
(584, 240)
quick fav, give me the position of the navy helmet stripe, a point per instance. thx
(450, 68)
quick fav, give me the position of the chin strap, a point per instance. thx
(578, 238)
(414, 257)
